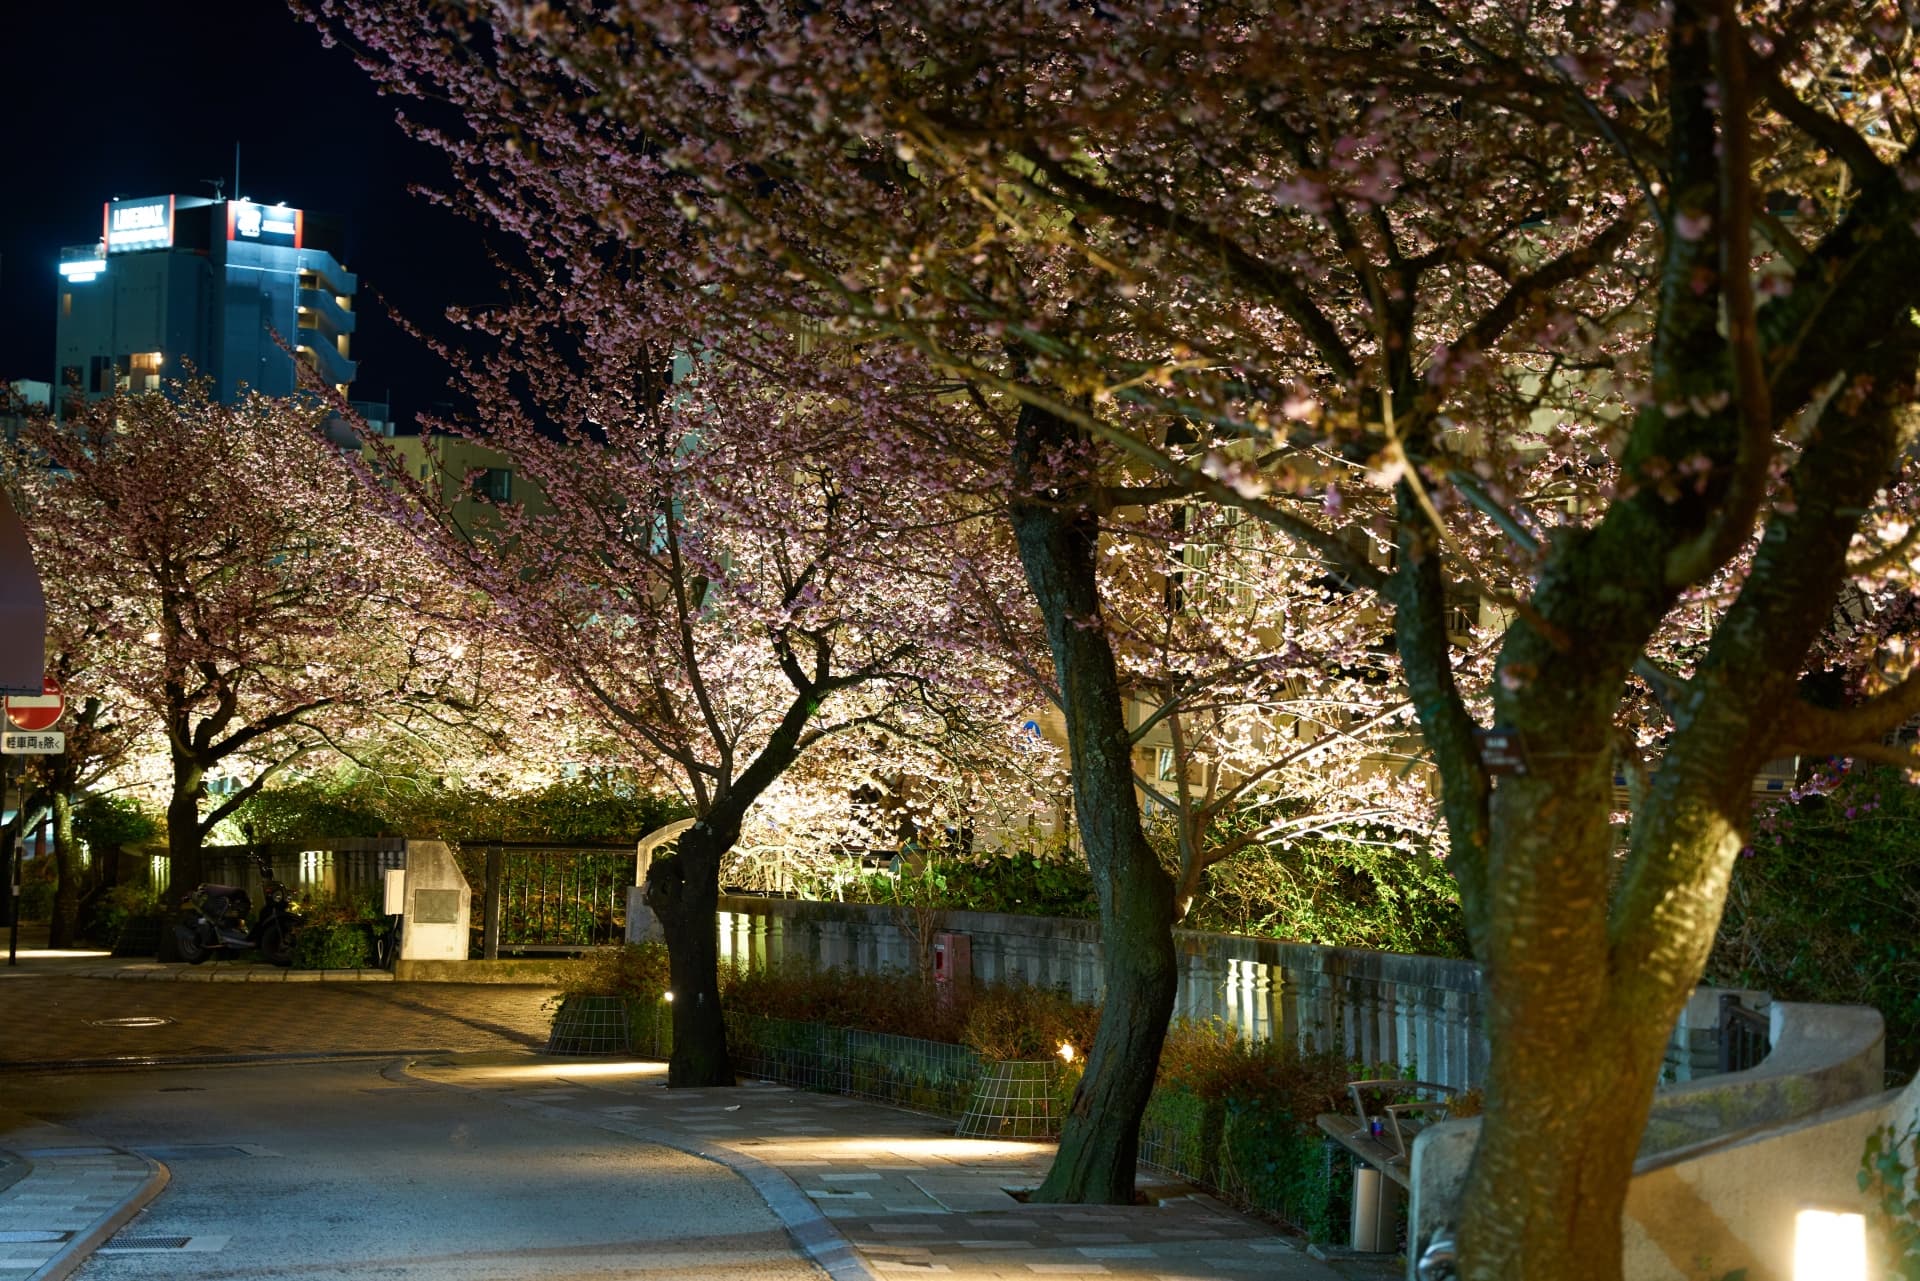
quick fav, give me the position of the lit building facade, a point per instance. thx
(179, 286)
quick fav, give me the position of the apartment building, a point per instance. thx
(231, 290)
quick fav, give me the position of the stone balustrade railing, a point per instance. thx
(1421, 1013)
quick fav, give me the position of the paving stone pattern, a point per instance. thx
(68, 1193)
(62, 1019)
(912, 1199)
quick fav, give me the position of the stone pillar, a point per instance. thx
(1262, 1023)
(642, 925)
(439, 905)
(757, 947)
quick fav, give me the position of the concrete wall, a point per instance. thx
(1723, 1162)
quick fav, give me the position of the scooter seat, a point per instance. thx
(228, 890)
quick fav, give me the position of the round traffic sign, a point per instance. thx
(42, 711)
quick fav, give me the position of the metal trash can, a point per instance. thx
(1376, 1211)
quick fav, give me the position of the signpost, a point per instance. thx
(32, 718)
(38, 711)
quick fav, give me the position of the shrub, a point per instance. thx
(339, 909)
(362, 803)
(998, 1021)
(1336, 893)
(635, 972)
(1049, 880)
(1328, 891)
(123, 903)
(339, 946)
(103, 821)
(1825, 904)
(1226, 1110)
(896, 1003)
(36, 891)
(1889, 1179)
(1214, 1060)
(1019, 1021)
(1238, 1115)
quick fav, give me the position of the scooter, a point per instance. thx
(214, 918)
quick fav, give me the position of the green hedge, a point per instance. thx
(1824, 905)
(1254, 1152)
(1322, 890)
(344, 946)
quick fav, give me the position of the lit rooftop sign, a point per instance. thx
(146, 223)
(265, 224)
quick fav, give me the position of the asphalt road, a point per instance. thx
(350, 1169)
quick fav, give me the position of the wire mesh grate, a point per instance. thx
(926, 1076)
(591, 1025)
(651, 1034)
(1015, 1099)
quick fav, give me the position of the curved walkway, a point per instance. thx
(868, 1191)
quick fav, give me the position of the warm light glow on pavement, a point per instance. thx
(546, 1070)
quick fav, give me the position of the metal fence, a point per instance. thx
(543, 896)
(345, 870)
(927, 1076)
(1746, 1036)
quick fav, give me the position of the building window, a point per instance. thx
(1165, 768)
(495, 483)
(66, 303)
(143, 370)
(423, 471)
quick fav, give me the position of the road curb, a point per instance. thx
(145, 972)
(77, 1251)
(810, 1229)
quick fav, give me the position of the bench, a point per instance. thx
(1380, 1136)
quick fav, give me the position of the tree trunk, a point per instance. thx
(683, 889)
(1099, 1141)
(1549, 1180)
(184, 870)
(64, 924)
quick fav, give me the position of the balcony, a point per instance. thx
(331, 317)
(318, 350)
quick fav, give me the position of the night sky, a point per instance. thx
(117, 98)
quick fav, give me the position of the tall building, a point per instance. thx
(182, 285)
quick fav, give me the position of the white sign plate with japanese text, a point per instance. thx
(15, 742)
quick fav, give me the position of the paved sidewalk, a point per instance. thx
(68, 1194)
(58, 1021)
(874, 1192)
(34, 959)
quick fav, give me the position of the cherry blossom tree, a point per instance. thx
(103, 734)
(742, 587)
(1598, 315)
(1265, 700)
(239, 599)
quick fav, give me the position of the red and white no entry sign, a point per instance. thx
(42, 712)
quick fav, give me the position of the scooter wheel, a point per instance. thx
(189, 946)
(276, 945)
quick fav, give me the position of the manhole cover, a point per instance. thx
(133, 1020)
